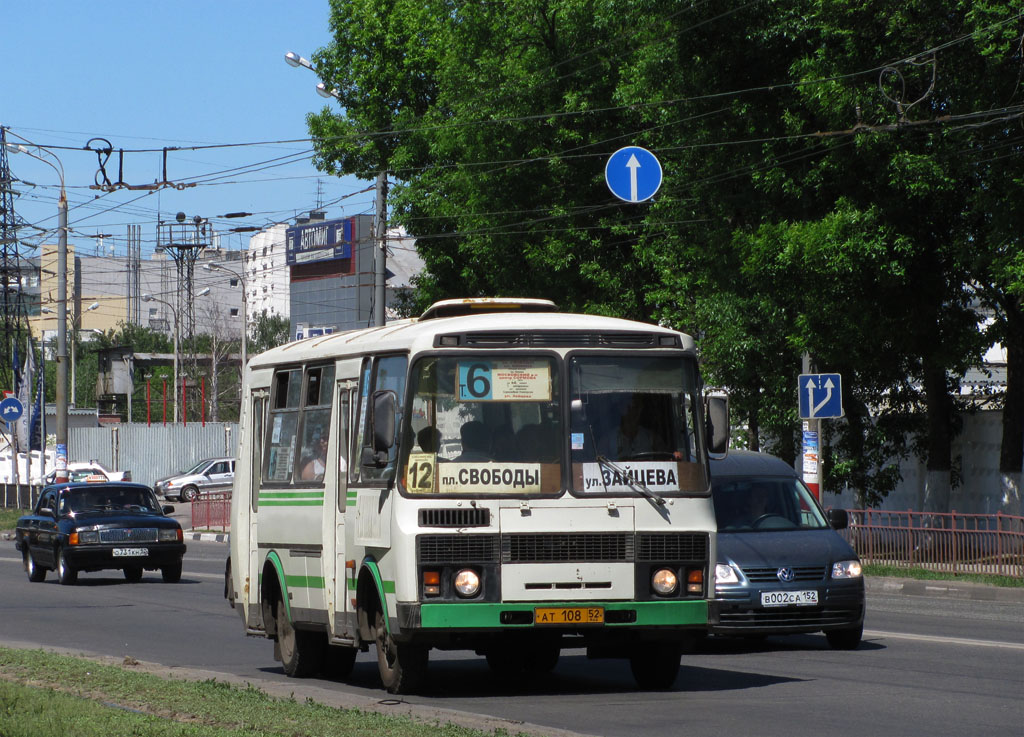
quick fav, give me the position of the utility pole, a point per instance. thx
(62, 337)
(380, 259)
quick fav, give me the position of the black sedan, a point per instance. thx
(100, 526)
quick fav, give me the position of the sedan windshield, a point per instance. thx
(105, 498)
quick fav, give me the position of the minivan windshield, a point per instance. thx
(763, 504)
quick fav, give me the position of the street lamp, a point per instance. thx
(245, 309)
(177, 324)
(76, 328)
(380, 253)
(62, 304)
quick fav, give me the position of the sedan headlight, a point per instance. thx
(170, 535)
(467, 582)
(725, 573)
(846, 569)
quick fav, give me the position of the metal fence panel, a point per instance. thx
(151, 452)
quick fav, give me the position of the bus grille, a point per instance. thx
(672, 546)
(564, 547)
(478, 517)
(457, 548)
(129, 535)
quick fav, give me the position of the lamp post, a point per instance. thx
(380, 254)
(76, 328)
(245, 309)
(62, 306)
(177, 328)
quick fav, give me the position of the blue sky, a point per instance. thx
(149, 75)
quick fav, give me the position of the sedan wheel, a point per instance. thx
(35, 572)
(133, 574)
(189, 494)
(65, 573)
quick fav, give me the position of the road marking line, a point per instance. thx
(946, 640)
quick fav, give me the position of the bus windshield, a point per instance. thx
(484, 425)
(633, 425)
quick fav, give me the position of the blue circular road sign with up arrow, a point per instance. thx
(11, 409)
(633, 174)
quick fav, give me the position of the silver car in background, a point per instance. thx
(208, 476)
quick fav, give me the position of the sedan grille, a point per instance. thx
(129, 535)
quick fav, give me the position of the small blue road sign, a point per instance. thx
(11, 409)
(821, 396)
(633, 174)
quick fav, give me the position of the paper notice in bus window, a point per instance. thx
(488, 478)
(658, 476)
(421, 473)
(509, 380)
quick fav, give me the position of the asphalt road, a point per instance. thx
(933, 662)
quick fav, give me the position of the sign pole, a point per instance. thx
(811, 455)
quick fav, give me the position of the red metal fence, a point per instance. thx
(212, 512)
(948, 542)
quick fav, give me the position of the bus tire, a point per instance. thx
(656, 665)
(402, 665)
(338, 662)
(301, 651)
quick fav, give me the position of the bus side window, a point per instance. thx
(282, 427)
(316, 423)
(387, 373)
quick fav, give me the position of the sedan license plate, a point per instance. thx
(131, 552)
(569, 615)
(789, 598)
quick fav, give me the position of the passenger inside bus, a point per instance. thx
(476, 442)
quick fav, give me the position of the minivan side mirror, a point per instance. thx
(838, 519)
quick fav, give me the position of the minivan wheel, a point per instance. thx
(847, 639)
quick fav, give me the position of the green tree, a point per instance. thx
(268, 330)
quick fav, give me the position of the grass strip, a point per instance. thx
(924, 574)
(44, 693)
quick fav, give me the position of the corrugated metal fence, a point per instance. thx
(151, 452)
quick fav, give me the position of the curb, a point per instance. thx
(212, 537)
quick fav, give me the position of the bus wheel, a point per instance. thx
(338, 662)
(301, 652)
(656, 665)
(402, 665)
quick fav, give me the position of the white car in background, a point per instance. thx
(80, 471)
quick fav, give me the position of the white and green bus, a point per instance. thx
(493, 476)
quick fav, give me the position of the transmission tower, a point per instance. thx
(11, 301)
(183, 241)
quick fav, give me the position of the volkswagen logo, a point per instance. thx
(786, 574)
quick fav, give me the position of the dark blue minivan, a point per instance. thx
(782, 568)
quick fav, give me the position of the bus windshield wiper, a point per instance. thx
(633, 483)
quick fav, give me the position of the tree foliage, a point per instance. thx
(840, 181)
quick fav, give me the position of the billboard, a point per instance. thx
(321, 241)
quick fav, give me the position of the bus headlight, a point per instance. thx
(664, 581)
(846, 569)
(467, 583)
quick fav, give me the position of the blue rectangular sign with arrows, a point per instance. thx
(821, 396)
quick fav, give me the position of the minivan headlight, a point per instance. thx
(846, 569)
(725, 573)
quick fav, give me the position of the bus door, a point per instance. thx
(340, 576)
(253, 568)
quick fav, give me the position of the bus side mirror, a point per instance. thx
(382, 429)
(717, 414)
